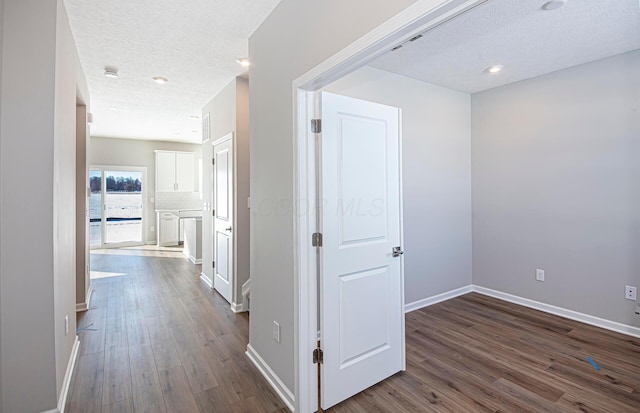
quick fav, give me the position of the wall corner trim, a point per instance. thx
(80, 307)
(559, 311)
(237, 308)
(426, 302)
(62, 400)
(280, 388)
(206, 280)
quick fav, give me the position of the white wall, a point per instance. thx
(556, 186)
(297, 36)
(436, 151)
(135, 152)
(37, 142)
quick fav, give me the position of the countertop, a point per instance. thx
(182, 213)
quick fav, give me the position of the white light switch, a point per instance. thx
(540, 275)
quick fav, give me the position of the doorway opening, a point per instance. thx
(117, 206)
(465, 97)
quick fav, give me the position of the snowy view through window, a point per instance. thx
(122, 213)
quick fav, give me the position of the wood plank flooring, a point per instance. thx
(158, 340)
(478, 354)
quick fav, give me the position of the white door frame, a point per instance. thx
(103, 223)
(418, 18)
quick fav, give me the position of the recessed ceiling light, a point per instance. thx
(553, 4)
(194, 131)
(160, 80)
(177, 134)
(113, 108)
(111, 72)
(194, 117)
(494, 69)
(244, 61)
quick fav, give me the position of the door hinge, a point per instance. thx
(213, 264)
(316, 125)
(213, 212)
(213, 161)
(316, 239)
(318, 356)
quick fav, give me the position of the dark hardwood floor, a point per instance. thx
(478, 354)
(156, 339)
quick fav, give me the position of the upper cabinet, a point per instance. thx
(175, 171)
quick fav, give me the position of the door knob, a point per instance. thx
(397, 251)
(228, 229)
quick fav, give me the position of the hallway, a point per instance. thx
(157, 339)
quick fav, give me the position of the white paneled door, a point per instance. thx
(361, 291)
(223, 218)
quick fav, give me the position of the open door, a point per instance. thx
(361, 282)
(223, 216)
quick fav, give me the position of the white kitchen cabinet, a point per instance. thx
(165, 171)
(185, 170)
(167, 229)
(175, 171)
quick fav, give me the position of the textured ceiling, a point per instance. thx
(519, 35)
(193, 43)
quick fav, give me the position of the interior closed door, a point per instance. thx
(361, 282)
(223, 218)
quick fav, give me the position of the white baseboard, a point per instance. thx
(536, 305)
(559, 311)
(425, 302)
(285, 394)
(206, 280)
(85, 306)
(237, 308)
(62, 399)
(194, 260)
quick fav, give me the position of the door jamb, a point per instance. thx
(419, 18)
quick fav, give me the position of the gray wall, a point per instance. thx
(37, 139)
(28, 354)
(297, 36)
(1, 54)
(556, 186)
(436, 151)
(242, 154)
(135, 152)
(222, 120)
(82, 207)
(69, 82)
(229, 112)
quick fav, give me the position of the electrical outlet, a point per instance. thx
(66, 325)
(540, 275)
(276, 332)
(630, 293)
